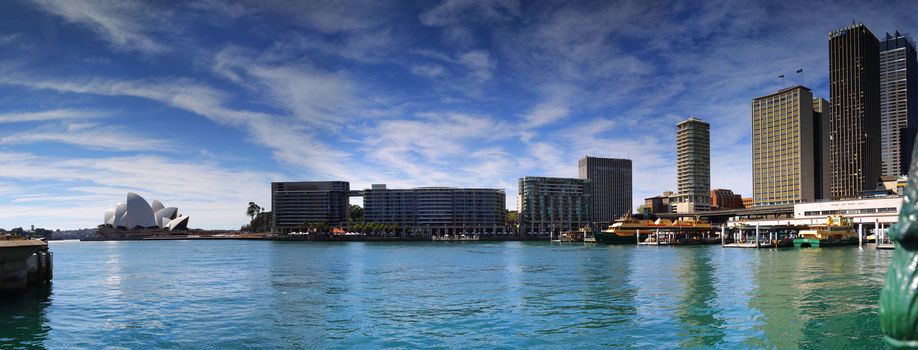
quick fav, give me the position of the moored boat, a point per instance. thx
(622, 231)
(837, 231)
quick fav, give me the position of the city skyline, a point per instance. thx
(206, 104)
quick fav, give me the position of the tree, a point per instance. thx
(512, 218)
(253, 210)
(356, 213)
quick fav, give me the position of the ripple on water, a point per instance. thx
(485, 295)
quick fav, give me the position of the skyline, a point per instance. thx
(204, 104)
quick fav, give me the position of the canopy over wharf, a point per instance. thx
(716, 217)
(870, 212)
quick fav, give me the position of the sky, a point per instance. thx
(202, 104)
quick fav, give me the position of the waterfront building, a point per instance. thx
(610, 179)
(722, 199)
(296, 203)
(783, 151)
(659, 204)
(136, 214)
(868, 211)
(854, 85)
(554, 205)
(898, 102)
(437, 210)
(693, 166)
(822, 180)
(747, 202)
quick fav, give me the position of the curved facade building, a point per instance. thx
(137, 214)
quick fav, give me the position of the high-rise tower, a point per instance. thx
(783, 164)
(693, 166)
(611, 182)
(854, 85)
(898, 103)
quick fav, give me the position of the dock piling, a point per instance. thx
(860, 234)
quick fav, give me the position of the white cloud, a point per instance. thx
(9, 38)
(121, 23)
(428, 70)
(49, 115)
(316, 97)
(92, 136)
(545, 114)
(76, 191)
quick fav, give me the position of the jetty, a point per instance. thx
(23, 262)
(771, 236)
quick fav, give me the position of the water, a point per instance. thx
(252, 294)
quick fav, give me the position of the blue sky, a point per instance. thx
(202, 104)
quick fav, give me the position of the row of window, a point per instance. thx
(850, 211)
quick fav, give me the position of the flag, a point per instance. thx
(800, 70)
(781, 76)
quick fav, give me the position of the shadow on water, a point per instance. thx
(23, 320)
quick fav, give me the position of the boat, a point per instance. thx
(837, 231)
(623, 230)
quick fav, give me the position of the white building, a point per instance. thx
(868, 211)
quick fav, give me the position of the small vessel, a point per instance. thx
(837, 231)
(623, 230)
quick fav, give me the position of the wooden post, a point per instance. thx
(756, 235)
(637, 236)
(723, 231)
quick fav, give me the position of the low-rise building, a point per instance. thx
(551, 205)
(659, 204)
(725, 199)
(437, 210)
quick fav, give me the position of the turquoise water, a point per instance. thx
(253, 294)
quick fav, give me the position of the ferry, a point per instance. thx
(622, 231)
(838, 230)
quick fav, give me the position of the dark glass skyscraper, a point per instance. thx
(296, 203)
(898, 114)
(854, 87)
(610, 179)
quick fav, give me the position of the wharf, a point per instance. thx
(23, 262)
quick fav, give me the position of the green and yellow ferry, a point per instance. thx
(837, 231)
(622, 231)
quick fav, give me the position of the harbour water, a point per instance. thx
(259, 294)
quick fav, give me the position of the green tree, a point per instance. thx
(512, 217)
(356, 213)
(253, 210)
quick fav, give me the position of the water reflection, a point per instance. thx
(23, 319)
(699, 313)
(780, 319)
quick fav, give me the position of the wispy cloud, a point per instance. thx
(48, 115)
(121, 23)
(91, 136)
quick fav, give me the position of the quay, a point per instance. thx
(23, 262)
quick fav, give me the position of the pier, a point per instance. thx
(23, 262)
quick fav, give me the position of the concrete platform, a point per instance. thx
(23, 262)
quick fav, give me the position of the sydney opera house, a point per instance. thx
(136, 214)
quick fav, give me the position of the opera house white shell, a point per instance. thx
(136, 213)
